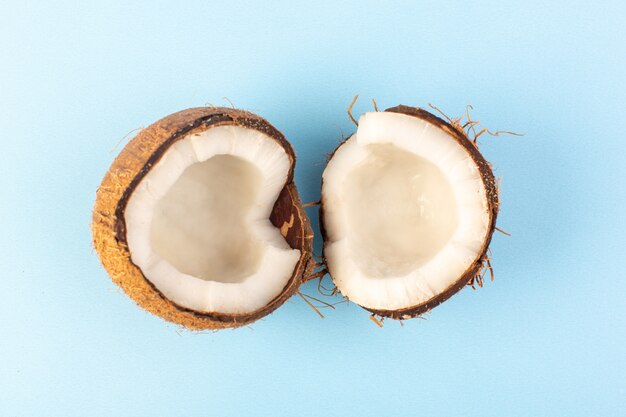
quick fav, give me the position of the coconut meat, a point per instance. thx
(198, 222)
(405, 212)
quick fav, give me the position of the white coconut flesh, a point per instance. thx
(405, 212)
(197, 225)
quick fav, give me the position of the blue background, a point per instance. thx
(547, 338)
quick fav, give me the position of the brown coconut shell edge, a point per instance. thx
(129, 168)
(493, 206)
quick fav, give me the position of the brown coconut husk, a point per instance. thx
(128, 169)
(477, 268)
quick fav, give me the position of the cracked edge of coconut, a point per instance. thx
(404, 289)
(288, 233)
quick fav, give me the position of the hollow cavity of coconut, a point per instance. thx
(199, 222)
(408, 210)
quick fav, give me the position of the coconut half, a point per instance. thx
(199, 222)
(408, 209)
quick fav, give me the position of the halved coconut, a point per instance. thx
(409, 206)
(199, 221)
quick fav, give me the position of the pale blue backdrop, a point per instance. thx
(547, 338)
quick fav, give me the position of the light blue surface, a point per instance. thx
(547, 338)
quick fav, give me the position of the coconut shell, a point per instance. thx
(128, 169)
(457, 133)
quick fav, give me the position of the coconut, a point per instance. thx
(198, 219)
(407, 212)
